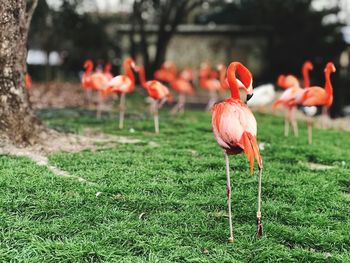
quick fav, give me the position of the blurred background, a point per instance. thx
(269, 36)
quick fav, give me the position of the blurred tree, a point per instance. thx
(166, 15)
(17, 119)
(299, 32)
(76, 35)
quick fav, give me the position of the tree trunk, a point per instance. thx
(17, 120)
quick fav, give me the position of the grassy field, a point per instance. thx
(164, 199)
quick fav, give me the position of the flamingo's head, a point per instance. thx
(108, 67)
(88, 64)
(330, 67)
(168, 64)
(220, 67)
(205, 70)
(244, 80)
(280, 80)
(130, 62)
(308, 65)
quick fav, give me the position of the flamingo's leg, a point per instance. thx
(309, 129)
(88, 96)
(213, 97)
(324, 117)
(121, 110)
(294, 122)
(99, 106)
(182, 99)
(176, 108)
(228, 188)
(156, 117)
(162, 103)
(258, 214)
(286, 125)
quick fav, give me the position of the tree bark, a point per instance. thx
(17, 119)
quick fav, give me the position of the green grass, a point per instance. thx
(179, 187)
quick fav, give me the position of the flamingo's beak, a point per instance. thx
(249, 96)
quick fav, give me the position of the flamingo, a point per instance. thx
(289, 97)
(86, 78)
(234, 128)
(184, 88)
(123, 84)
(157, 91)
(180, 83)
(317, 96)
(208, 81)
(107, 71)
(28, 81)
(94, 81)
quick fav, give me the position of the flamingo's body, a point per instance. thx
(234, 127)
(287, 81)
(181, 83)
(317, 96)
(157, 91)
(186, 74)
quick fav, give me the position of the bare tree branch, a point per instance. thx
(30, 12)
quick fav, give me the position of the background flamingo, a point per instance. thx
(181, 83)
(208, 80)
(157, 91)
(28, 81)
(317, 96)
(288, 99)
(123, 84)
(234, 127)
(94, 81)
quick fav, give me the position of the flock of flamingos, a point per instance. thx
(233, 123)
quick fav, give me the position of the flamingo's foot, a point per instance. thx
(259, 224)
(230, 240)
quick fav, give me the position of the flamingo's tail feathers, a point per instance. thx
(255, 147)
(251, 150)
(248, 150)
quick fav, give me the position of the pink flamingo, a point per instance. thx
(28, 81)
(290, 96)
(208, 80)
(234, 127)
(157, 91)
(123, 84)
(181, 83)
(94, 81)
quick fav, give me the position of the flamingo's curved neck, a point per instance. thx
(222, 76)
(173, 69)
(232, 80)
(89, 68)
(306, 77)
(328, 84)
(128, 70)
(142, 76)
